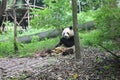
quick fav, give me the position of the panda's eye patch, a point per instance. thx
(67, 33)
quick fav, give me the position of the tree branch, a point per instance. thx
(109, 51)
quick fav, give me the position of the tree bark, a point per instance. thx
(15, 29)
(2, 10)
(3, 7)
(75, 28)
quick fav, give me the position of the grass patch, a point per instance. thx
(93, 38)
(6, 48)
(89, 38)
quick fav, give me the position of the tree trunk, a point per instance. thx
(3, 7)
(2, 10)
(75, 28)
(15, 29)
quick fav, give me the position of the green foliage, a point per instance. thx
(55, 15)
(84, 17)
(6, 48)
(35, 39)
(110, 45)
(106, 67)
(29, 49)
(42, 18)
(58, 15)
(107, 20)
(90, 4)
(93, 38)
(98, 60)
(90, 38)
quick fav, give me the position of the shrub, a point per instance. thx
(107, 20)
(55, 15)
(6, 49)
(90, 38)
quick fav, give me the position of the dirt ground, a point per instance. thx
(93, 65)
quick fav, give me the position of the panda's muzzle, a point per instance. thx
(66, 37)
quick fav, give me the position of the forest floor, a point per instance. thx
(93, 65)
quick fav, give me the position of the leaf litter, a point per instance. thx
(94, 65)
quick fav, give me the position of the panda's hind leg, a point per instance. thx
(69, 51)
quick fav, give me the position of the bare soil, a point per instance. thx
(93, 65)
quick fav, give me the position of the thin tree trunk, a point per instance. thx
(75, 28)
(15, 29)
(28, 7)
(2, 10)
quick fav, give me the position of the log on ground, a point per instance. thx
(51, 33)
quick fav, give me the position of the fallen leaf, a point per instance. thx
(75, 75)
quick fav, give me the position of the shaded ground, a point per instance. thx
(13, 67)
(94, 65)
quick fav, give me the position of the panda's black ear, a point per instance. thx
(62, 29)
(70, 27)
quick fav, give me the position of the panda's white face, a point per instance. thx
(67, 33)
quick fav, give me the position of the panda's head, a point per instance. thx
(67, 32)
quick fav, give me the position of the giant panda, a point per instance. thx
(67, 38)
(67, 41)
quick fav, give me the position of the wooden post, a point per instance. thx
(75, 28)
(28, 7)
(34, 3)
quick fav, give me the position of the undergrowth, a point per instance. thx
(87, 38)
(93, 38)
(6, 48)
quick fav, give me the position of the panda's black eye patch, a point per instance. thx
(67, 33)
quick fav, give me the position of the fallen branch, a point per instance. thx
(109, 51)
